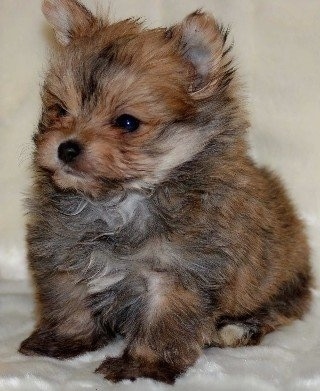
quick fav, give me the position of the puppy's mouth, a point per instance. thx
(67, 174)
(69, 171)
(66, 178)
(59, 170)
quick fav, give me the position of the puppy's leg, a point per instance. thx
(234, 332)
(47, 342)
(167, 339)
(290, 304)
(66, 327)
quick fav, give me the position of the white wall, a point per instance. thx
(278, 53)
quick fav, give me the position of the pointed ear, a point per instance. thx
(69, 18)
(201, 42)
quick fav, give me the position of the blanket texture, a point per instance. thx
(288, 359)
(277, 50)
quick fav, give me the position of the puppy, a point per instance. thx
(147, 216)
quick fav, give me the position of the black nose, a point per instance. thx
(68, 151)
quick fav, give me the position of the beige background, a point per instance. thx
(278, 53)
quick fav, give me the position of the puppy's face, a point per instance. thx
(121, 103)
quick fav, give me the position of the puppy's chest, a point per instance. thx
(118, 248)
(108, 218)
(132, 273)
(127, 283)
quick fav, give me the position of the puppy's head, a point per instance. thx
(126, 105)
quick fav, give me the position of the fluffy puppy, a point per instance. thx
(147, 216)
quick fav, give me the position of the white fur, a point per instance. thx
(107, 274)
(119, 212)
(231, 334)
(156, 290)
(104, 281)
(180, 148)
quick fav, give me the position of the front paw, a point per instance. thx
(116, 369)
(47, 343)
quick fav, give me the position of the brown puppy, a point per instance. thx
(147, 216)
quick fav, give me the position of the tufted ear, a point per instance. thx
(201, 41)
(69, 18)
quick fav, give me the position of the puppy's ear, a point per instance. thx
(202, 43)
(69, 18)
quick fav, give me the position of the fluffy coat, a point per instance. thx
(169, 235)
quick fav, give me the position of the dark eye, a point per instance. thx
(127, 122)
(60, 110)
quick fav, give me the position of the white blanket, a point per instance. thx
(288, 359)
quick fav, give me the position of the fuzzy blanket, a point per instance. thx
(288, 359)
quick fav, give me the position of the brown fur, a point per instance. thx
(169, 234)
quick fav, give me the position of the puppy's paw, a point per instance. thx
(116, 369)
(47, 343)
(234, 333)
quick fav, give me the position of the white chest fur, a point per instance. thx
(115, 212)
(120, 211)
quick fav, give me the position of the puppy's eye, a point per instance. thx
(127, 122)
(61, 111)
